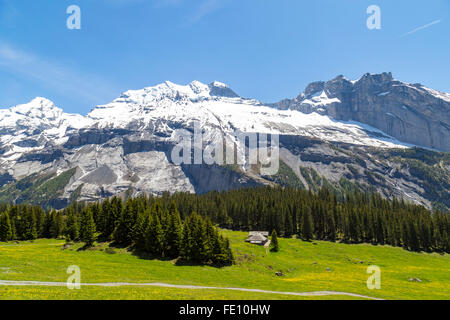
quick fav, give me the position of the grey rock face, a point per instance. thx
(314, 88)
(409, 112)
(392, 173)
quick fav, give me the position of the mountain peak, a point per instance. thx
(378, 77)
(220, 89)
(172, 91)
(39, 107)
(218, 84)
(42, 100)
(313, 88)
(340, 82)
(198, 87)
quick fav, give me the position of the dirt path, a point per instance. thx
(166, 285)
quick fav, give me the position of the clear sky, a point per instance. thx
(264, 49)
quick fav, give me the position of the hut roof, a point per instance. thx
(256, 237)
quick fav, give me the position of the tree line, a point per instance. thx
(142, 223)
(183, 223)
(323, 215)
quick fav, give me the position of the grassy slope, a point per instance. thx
(142, 293)
(39, 189)
(43, 260)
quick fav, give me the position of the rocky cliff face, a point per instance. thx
(409, 112)
(341, 134)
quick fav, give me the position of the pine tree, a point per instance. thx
(274, 242)
(5, 227)
(154, 236)
(57, 224)
(217, 250)
(223, 218)
(186, 240)
(173, 234)
(228, 251)
(307, 225)
(200, 245)
(123, 234)
(46, 232)
(445, 242)
(111, 212)
(72, 231)
(87, 230)
(40, 226)
(139, 230)
(331, 226)
(103, 218)
(354, 231)
(413, 237)
(30, 232)
(97, 213)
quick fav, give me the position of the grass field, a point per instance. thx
(305, 266)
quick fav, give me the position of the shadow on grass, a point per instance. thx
(85, 247)
(180, 262)
(148, 256)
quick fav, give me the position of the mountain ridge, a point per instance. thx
(124, 147)
(399, 109)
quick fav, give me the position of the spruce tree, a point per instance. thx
(87, 229)
(46, 232)
(111, 213)
(186, 240)
(123, 234)
(331, 226)
(154, 236)
(5, 227)
(30, 232)
(173, 233)
(217, 248)
(274, 242)
(57, 225)
(413, 237)
(228, 251)
(307, 225)
(139, 230)
(159, 237)
(72, 231)
(200, 246)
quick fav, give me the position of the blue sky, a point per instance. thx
(263, 49)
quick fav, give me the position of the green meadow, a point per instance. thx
(305, 267)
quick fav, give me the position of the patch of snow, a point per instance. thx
(219, 84)
(320, 99)
(440, 95)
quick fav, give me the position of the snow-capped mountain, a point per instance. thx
(31, 126)
(125, 146)
(169, 106)
(411, 113)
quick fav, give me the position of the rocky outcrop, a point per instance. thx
(411, 113)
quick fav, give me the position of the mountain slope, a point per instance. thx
(125, 147)
(411, 113)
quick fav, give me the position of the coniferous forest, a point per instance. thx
(142, 223)
(184, 225)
